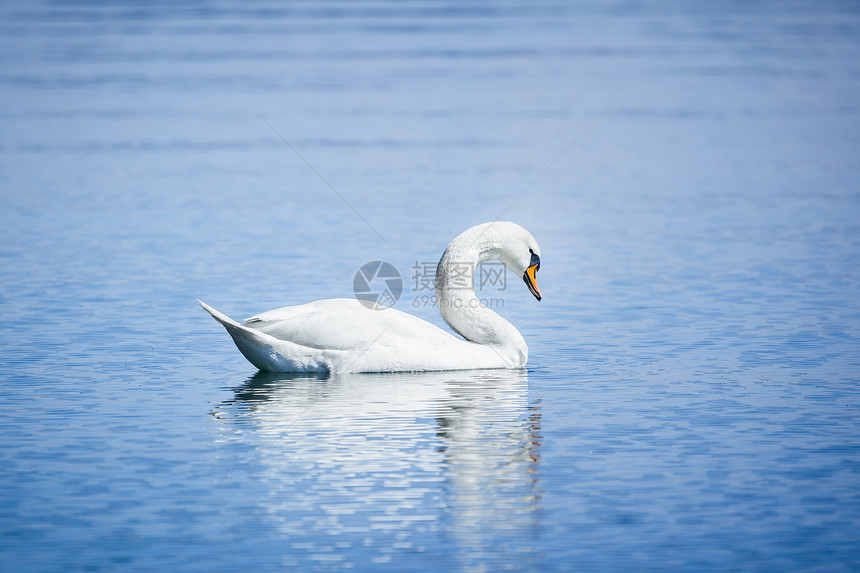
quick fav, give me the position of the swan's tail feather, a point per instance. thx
(248, 341)
(219, 316)
(267, 352)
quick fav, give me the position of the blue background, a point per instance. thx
(690, 171)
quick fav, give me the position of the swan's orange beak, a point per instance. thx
(531, 280)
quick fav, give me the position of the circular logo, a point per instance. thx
(377, 285)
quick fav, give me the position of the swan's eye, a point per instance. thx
(535, 261)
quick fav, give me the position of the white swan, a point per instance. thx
(343, 335)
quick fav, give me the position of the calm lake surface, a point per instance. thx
(690, 171)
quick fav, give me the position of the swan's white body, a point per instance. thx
(344, 335)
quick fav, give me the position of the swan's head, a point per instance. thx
(516, 249)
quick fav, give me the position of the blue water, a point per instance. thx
(690, 171)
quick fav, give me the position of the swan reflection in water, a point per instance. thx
(360, 468)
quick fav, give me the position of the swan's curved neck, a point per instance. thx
(461, 308)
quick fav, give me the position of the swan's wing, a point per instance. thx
(269, 353)
(341, 335)
(344, 324)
